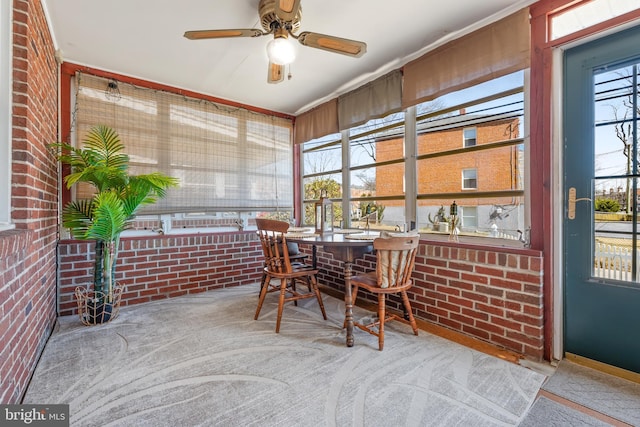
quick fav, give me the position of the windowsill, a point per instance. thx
(5, 227)
(177, 231)
(174, 232)
(484, 243)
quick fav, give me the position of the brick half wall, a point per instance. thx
(159, 267)
(493, 294)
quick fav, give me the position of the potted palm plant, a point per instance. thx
(117, 197)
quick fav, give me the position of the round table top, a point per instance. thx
(357, 238)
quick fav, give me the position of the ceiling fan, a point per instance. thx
(282, 19)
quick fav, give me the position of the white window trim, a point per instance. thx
(463, 179)
(6, 42)
(464, 138)
(466, 216)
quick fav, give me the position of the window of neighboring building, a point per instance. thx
(469, 136)
(5, 113)
(469, 218)
(469, 179)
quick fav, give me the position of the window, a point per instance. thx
(228, 159)
(469, 218)
(322, 172)
(5, 113)
(494, 113)
(469, 179)
(469, 136)
(375, 168)
(586, 14)
(488, 117)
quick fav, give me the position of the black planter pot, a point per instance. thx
(99, 312)
(93, 308)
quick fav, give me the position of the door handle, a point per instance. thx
(571, 208)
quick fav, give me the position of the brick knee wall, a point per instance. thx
(493, 294)
(159, 267)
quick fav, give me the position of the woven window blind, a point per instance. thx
(493, 51)
(227, 159)
(376, 99)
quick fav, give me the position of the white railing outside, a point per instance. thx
(613, 262)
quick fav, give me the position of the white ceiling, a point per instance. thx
(144, 39)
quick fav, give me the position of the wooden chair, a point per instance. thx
(395, 261)
(278, 266)
(296, 257)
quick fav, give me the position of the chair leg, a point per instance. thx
(309, 284)
(262, 280)
(283, 290)
(381, 316)
(293, 291)
(407, 305)
(314, 286)
(263, 292)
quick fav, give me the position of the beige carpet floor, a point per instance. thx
(202, 360)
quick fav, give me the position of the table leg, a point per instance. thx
(348, 304)
(314, 257)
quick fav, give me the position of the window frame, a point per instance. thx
(500, 116)
(6, 42)
(475, 178)
(465, 140)
(464, 215)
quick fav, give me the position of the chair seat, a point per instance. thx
(366, 279)
(369, 281)
(297, 257)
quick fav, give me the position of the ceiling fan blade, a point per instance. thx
(276, 73)
(333, 44)
(287, 10)
(218, 34)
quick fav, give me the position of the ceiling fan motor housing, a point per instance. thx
(268, 17)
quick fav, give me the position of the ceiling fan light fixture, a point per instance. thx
(281, 51)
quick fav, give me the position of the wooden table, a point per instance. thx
(346, 250)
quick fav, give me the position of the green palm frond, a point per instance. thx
(105, 145)
(78, 216)
(102, 163)
(109, 219)
(154, 184)
(99, 162)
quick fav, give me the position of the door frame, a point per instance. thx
(558, 196)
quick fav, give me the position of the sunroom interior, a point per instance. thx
(459, 135)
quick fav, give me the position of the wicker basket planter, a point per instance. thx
(93, 307)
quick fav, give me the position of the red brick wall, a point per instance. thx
(159, 267)
(28, 253)
(493, 294)
(496, 168)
